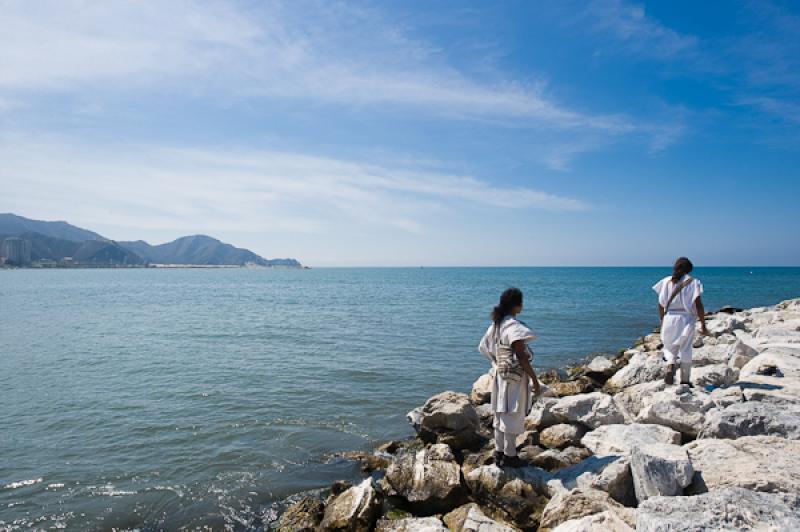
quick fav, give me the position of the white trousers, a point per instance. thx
(677, 335)
(505, 442)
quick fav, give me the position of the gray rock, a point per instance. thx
(642, 367)
(509, 494)
(601, 365)
(685, 413)
(741, 354)
(611, 474)
(660, 469)
(354, 510)
(578, 503)
(632, 399)
(606, 521)
(470, 518)
(303, 516)
(724, 397)
(759, 463)
(561, 435)
(620, 439)
(482, 389)
(724, 509)
(411, 524)
(555, 459)
(753, 418)
(590, 409)
(449, 418)
(540, 416)
(714, 375)
(429, 479)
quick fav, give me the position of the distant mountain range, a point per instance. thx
(57, 241)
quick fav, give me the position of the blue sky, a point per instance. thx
(408, 133)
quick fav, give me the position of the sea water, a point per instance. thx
(181, 399)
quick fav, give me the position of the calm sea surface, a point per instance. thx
(179, 399)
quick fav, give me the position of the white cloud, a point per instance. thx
(318, 52)
(190, 190)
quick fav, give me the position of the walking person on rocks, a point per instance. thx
(679, 307)
(505, 344)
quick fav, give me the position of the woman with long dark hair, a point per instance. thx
(679, 307)
(505, 344)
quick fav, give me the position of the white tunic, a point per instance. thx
(678, 327)
(511, 400)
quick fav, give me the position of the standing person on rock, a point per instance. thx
(679, 307)
(505, 344)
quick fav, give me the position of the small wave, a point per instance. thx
(55, 486)
(22, 483)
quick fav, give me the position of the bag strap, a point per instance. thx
(677, 291)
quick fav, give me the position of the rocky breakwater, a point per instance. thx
(608, 447)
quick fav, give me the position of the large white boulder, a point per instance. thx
(725, 509)
(606, 521)
(590, 409)
(448, 417)
(578, 503)
(632, 399)
(753, 418)
(759, 463)
(714, 375)
(685, 413)
(611, 474)
(540, 416)
(621, 439)
(482, 389)
(411, 524)
(429, 479)
(741, 354)
(470, 518)
(561, 435)
(354, 510)
(660, 469)
(641, 368)
(510, 494)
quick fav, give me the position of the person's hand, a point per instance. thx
(537, 389)
(704, 330)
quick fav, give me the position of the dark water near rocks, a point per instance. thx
(182, 399)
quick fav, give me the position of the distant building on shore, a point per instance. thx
(16, 251)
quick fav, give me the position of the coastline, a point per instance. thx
(609, 446)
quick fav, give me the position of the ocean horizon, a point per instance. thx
(169, 399)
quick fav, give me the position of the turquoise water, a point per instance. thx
(186, 398)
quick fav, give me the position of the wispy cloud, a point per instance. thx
(306, 52)
(186, 189)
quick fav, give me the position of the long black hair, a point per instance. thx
(681, 268)
(509, 299)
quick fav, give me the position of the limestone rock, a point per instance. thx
(411, 524)
(578, 503)
(591, 409)
(642, 367)
(753, 418)
(355, 510)
(620, 439)
(578, 385)
(449, 418)
(660, 469)
(482, 389)
(603, 522)
(741, 354)
(611, 474)
(724, 397)
(470, 518)
(632, 399)
(773, 362)
(601, 365)
(710, 355)
(561, 435)
(684, 413)
(429, 479)
(303, 516)
(555, 459)
(723, 509)
(714, 375)
(540, 416)
(759, 463)
(509, 494)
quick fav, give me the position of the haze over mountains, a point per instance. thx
(59, 240)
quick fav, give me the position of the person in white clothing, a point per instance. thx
(679, 307)
(505, 344)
